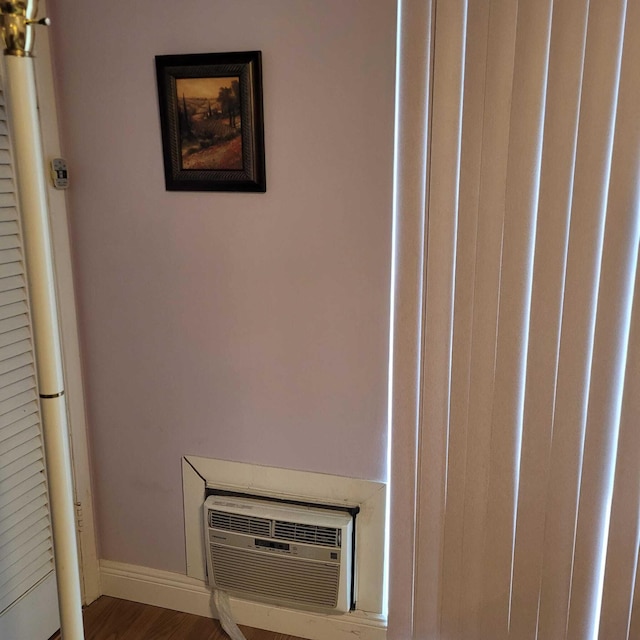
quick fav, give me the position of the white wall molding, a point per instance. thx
(370, 497)
(182, 593)
(74, 386)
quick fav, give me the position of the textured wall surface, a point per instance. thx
(248, 327)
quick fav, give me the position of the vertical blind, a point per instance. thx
(528, 440)
(26, 551)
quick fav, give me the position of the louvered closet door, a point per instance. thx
(28, 597)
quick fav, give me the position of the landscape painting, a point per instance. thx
(211, 121)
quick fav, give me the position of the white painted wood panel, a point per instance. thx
(28, 597)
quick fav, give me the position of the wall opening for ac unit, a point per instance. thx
(364, 501)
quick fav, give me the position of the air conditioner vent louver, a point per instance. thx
(239, 523)
(311, 534)
(290, 579)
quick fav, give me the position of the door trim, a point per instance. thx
(74, 389)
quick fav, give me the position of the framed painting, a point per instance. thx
(212, 121)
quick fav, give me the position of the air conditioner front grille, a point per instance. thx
(308, 533)
(239, 523)
(295, 580)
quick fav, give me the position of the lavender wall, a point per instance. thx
(239, 326)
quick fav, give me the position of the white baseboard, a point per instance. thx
(181, 593)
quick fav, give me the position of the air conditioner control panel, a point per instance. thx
(242, 541)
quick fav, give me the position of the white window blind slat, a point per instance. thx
(524, 149)
(446, 139)
(473, 117)
(624, 538)
(6, 184)
(5, 170)
(634, 624)
(491, 206)
(414, 82)
(568, 31)
(615, 293)
(597, 117)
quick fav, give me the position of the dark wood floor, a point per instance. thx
(113, 619)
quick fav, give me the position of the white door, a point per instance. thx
(28, 596)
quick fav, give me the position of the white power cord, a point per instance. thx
(220, 600)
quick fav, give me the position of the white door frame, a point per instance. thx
(74, 389)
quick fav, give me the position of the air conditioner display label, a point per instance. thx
(241, 541)
(270, 544)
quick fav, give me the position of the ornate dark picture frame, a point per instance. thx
(212, 121)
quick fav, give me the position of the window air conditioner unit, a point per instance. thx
(290, 555)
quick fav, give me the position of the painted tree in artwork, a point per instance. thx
(229, 100)
(185, 122)
(235, 89)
